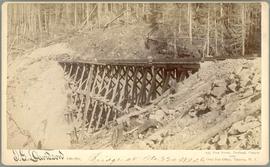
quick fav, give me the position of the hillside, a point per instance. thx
(217, 107)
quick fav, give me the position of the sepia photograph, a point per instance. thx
(133, 76)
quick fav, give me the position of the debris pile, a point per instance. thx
(244, 134)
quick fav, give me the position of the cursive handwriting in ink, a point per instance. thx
(35, 156)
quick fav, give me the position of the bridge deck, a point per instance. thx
(140, 62)
(153, 62)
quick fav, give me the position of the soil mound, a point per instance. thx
(37, 99)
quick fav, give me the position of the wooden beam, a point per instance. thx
(86, 108)
(98, 79)
(92, 116)
(89, 76)
(82, 100)
(182, 76)
(81, 79)
(134, 87)
(152, 92)
(95, 80)
(102, 80)
(64, 68)
(173, 73)
(124, 90)
(115, 114)
(165, 81)
(70, 70)
(108, 86)
(109, 109)
(77, 70)
(116, 85)
(142, 95)
(99, 116)
(178, 74)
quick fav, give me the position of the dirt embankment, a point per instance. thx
(36, 100)
(123, 42)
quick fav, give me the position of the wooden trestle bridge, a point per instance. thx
(103, 89)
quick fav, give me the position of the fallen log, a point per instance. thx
(110, 22)
(126, 117)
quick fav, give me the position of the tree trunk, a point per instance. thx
(216, 32)
(99, 12)
(208, 31)
(67, 14)
(40, 23)
(137, 10)
(75, 15)
(87, 14)
(127, 14)
(190, 22)
(243, 29)
(179, 23)
(222, 22)
(175, 46)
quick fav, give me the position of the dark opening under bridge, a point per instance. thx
(103, 89)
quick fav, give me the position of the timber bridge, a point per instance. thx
(102, 90)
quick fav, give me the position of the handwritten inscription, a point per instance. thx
(35, 156)
(216, 156)
(103, 157)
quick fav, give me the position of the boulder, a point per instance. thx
(199, 100)
(242, 126)
(158, 115)
(146, 125)
(233, 131)
(233, 87)
(232, 76)
(219, 92)
(201, 107)
(213, 147)
(250, 118)
(245, 77)
(241, 145)
(232, 139)
(248, 92)
(256, 79)
(258, 88)
(213, 103)
(220, 83)
(193, 113)
(215, 139)
(223, 139)
(247, 126)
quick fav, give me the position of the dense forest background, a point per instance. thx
(219, 28)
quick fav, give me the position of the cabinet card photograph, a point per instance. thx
(145, 83)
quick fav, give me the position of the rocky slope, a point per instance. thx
(218, 107)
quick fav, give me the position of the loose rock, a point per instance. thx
(218, 92)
